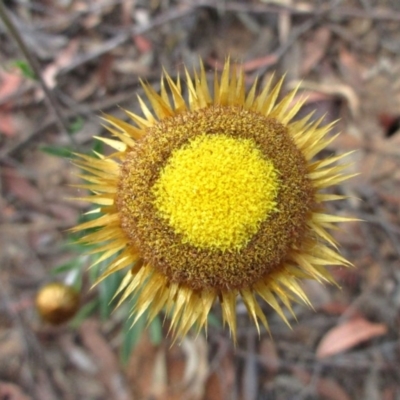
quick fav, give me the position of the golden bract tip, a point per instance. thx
(214, 197)
(56, 302)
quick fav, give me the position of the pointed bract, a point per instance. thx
(155, 290)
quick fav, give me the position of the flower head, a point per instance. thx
(214, 198)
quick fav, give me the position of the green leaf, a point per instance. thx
(75, 247)
(57, 151)
(155, 330)
(107, 290)
(76, 125)
(25, 68)
(98, 146)
(131, 336)
(65, 267)
(213, 320)
(86, 311)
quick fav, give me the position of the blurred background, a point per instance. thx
(90, 55)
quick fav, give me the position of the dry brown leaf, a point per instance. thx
(351, 67)
(144, 367)
(221, 382)
(175, 363)
(334, 308)
(63, 59)
(104, 71)
(20, 187)
(247, 66)
(107, 361)
(347, 335)
(337, 89)
(269, 356)
(143, 44)
(315, 49)
(7, 124)
(9, 84)
(196, 369)
(389, 393)
(12, 356)
(327, 388)
(9, 391)
(214, 389)
(187, 367)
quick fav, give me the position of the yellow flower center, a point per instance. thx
(255, 166)
(216, 191)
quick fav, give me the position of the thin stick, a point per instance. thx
(50, 98)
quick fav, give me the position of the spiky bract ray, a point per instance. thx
(217, 197)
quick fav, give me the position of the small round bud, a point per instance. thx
(57, 302)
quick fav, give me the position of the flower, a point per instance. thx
(214, 198)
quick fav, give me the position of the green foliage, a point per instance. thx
(85, 312)
(98, 146)
(131, 336)
(25, 68)
(58, 151)
(132, 332)
(76, 125)
(213, 321)
(68, 151)
(156, 332)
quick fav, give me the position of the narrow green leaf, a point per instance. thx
(155, 330)
(213, 321)
(57, 151)
(76, 125)
(98, 146)
(107, 290)
(25, 68)
(61, 269)
(131, 336)
(85, 312)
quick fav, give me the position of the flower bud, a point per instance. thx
(57, 302)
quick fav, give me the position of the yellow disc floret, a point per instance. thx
(216, 190)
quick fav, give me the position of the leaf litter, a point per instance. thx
(345, 57)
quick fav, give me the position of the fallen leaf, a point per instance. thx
(350, 67)
(334, 308)
(187, 368)
(140, 370)
(12, 392)
(107, 362)
(247, 66)
(347, 335)
(315, 49)
(9, 84)
(221, 382)
(143, 45)
(64, 58)
(7, 124)
(269, 356)
(336, 89)
(196, 367)
(104, 71)
(391, 123)
(20, 187)
(13, 123)
(327, 388)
